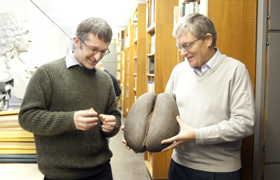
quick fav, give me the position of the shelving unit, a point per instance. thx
(165, 57)
(16, 144)
(140, 52)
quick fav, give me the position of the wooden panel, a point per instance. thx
(125, 77)
(141, 51)
(164, 11)
(165, 57)
(141, 21)
(235, 22)
(141, 67)
(131, 65)
(161, 164)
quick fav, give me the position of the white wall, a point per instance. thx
(49, 42)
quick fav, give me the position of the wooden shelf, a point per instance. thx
(151, 75)
(151, 29)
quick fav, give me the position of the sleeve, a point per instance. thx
(34, 115)
(170, 83)
(242, 114)
(112, 109)
(118, 91)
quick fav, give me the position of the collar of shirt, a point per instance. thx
(210, 64)
(70, 61)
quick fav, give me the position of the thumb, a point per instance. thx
(180, 122)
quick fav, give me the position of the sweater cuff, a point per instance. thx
(70, 115)
(198, 136)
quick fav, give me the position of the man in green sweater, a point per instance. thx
(70, 107)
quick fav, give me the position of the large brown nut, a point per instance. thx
(151, 119)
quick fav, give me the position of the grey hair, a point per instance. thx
(198, 25)
(96, 26)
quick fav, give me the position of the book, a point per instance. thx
(153, 44)
(151, 66)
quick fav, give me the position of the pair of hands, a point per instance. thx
(186, 135)
(86, 119)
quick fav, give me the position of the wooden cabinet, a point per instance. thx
(236, 22)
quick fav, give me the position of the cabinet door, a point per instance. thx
(272, 137)
(274, 13)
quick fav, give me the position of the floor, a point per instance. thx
(126, 165)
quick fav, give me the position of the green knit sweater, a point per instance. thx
(53, 94)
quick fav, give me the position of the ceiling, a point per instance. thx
(69, 13)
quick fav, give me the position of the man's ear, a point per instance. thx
(76, 42)
(209, 39)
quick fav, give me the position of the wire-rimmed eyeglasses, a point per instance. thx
(95, 51)
(186, 46)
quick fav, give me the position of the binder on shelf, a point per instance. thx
(153, 44)
(151, 86)
(151, 67)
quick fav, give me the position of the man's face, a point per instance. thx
(84, 55)
(198, 54)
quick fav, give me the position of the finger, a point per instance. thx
(124, 141)
(113, 124)
(180, 122)
(89, 120)
(85, 127)
(127, 147)
(170, 140)
(172, 146)
(107, 128)
(89, 113)
(110, 119)
(122, 128)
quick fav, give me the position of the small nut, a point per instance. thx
(103, 117)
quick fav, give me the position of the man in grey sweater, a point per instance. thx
(70, 107)
(216, 104)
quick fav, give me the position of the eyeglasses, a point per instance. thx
(186, 46)
(95, 51)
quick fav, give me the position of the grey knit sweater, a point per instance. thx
(53, 94)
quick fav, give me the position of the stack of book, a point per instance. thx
(16, 144)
